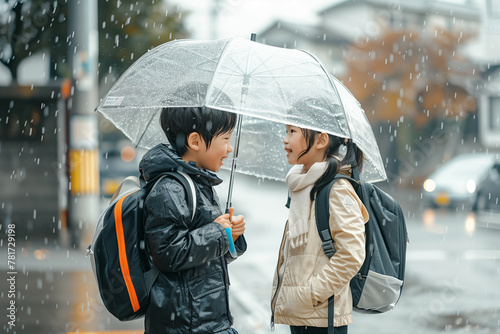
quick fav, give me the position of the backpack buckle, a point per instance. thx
(328, 248)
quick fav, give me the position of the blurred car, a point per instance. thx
(117, 161)
(457, 183)
(487, 204)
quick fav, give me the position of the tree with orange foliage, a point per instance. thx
(410, 77)
(406, 73)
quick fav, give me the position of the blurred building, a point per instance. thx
(30, 164)
(353, 21)
(461, 99)
(486, 53)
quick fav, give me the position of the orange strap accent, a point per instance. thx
(123, 255)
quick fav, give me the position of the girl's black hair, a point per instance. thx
(353, 157)
(178, 123)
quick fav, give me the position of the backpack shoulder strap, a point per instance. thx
(322, 206)
(188, 185)
(192, 193)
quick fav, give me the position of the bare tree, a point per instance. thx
(25, 28)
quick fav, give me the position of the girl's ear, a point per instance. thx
(322, 141)
(194, 141)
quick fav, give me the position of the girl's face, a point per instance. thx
(295, 145)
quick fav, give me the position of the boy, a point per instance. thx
(191, 293)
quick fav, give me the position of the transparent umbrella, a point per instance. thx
(264, 84)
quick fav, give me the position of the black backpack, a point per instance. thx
(377, 286)
(121, 262)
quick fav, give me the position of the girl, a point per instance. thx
(305, 276)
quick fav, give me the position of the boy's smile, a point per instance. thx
(212, 158)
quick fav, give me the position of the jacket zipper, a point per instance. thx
(278, 286)
(226, 281)
(274, 301)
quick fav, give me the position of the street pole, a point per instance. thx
(83, 138)
(214, 16)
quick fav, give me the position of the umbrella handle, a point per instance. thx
(232, 250)
(229, 233)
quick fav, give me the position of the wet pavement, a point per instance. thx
(452, 285)
(55, 292)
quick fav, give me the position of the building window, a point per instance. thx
(493, 8)
(495, 113)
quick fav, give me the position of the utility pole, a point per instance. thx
(83, 139)
(214, 18)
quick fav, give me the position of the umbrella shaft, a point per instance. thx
(233, 166)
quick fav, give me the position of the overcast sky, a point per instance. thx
(242, 17)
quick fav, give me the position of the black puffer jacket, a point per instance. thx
(191, 293)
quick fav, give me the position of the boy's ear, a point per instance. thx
(322, 140)
(194, 141)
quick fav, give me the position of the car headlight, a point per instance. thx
(429, 185)
(471, 186)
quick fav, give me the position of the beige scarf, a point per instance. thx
(300, 185)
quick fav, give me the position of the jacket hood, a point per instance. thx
(162, 158)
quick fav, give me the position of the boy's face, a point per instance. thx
(212, 158)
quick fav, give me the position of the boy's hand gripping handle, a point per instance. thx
(232, 250)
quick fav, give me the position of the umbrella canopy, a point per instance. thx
(263, 83)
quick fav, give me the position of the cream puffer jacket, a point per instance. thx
(305, 277)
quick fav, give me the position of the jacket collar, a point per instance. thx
(162, 158)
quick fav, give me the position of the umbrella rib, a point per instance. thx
(210, 84)
(273, 76)
(333, 86)
(261, 64)
(286, 67)
(145, 129)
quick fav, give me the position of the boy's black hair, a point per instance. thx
(178, 123)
